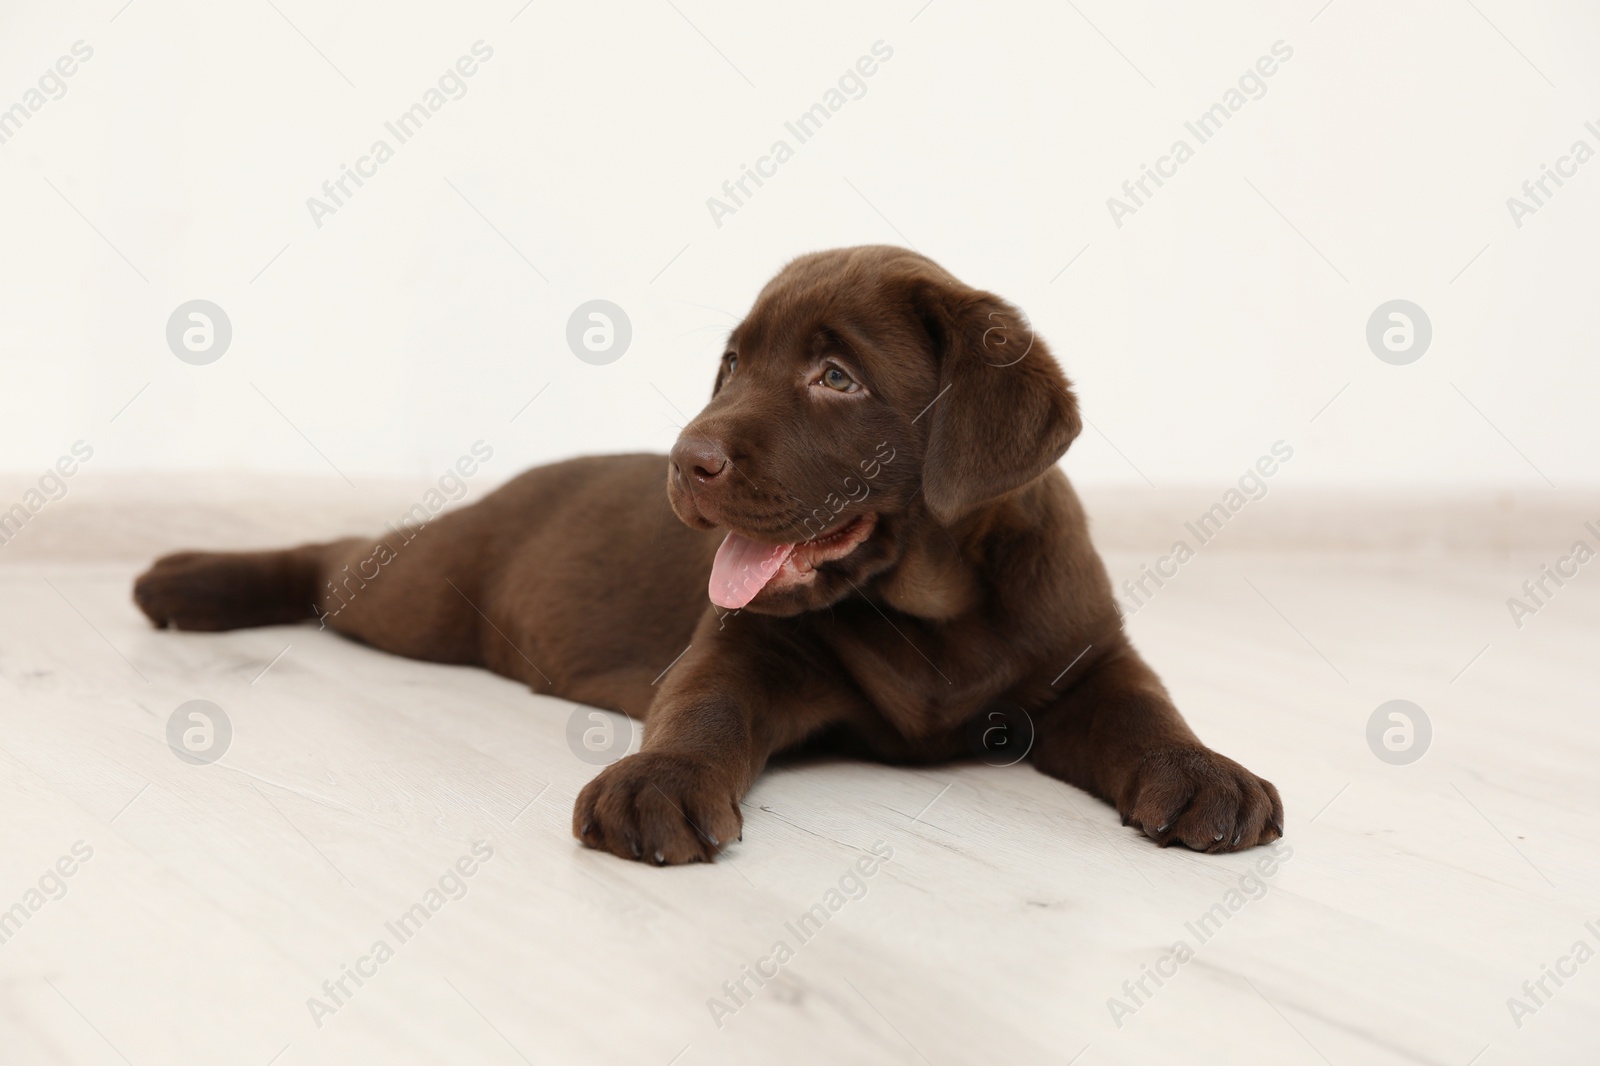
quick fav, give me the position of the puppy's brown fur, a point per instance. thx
(868, 393)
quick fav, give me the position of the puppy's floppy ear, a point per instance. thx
(1005, 412)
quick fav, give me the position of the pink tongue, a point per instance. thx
(743, 568)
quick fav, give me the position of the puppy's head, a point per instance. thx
(867, 393)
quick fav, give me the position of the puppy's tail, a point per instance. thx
(212, 591)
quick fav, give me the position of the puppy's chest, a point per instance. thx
(917, 675)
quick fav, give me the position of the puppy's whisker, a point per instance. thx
(707, 307)
(700, 329)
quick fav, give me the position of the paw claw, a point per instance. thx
(651, 807)
(1186, 794)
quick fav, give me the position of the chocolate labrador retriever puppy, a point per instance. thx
(893, 559)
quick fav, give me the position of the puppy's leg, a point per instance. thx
(213, 591)
(723, 711)
(1117, 735)
(409, 602)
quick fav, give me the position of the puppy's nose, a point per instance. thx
(700, 459)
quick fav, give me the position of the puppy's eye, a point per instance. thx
(730, 361)
(838, 380)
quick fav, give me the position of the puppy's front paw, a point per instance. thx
(658, 807)
(1202, 800)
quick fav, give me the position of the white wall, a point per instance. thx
(1200, 331)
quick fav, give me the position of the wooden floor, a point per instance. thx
(1012, 924)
